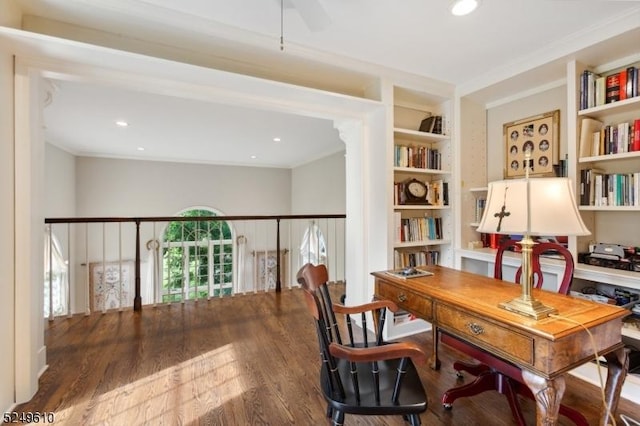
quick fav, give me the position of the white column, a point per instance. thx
(30, 352)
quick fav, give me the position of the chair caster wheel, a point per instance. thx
(447, 407)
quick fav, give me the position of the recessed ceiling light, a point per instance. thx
(122, 123)
(140, 148)
(276, 139)
(464, 7)
(253, 157)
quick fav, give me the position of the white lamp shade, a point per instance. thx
(534, 206)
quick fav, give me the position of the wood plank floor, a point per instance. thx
(243, 360)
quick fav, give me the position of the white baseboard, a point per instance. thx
(42, 360)
(589, 373)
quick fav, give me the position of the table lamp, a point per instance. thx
(531, 206)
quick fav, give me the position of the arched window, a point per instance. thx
(197, 258)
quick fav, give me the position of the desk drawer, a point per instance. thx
(419, 305)
(486, 334)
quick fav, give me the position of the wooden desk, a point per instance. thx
(465, 305)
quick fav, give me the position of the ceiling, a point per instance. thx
(417, 37)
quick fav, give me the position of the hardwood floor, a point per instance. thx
(243, 360)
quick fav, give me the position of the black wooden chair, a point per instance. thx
(367, 376)
(494, 374)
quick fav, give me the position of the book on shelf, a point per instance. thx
(615, 139)
(417, 229)
(623, 84)
(588, 127)
(445, 191)
(631, 77)
(397, 226)
(596, 90)
(432, 124)
(437, 127)
(597, 141)
(436, 194)
(402, 317)
(406, 258)
(418, 157)
(635, 144)
(624, 143)
(563, 167)
(612, 88)
(587, 89)
(479, 210)
(588, 185)
(427, 124)
(609, 189)
(600, 91)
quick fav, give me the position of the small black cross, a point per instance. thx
(502, 214)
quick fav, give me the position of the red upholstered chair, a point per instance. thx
(493, 373)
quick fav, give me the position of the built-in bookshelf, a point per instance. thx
(480, 199)
(608, 161)
(422, 227)
(607, 176)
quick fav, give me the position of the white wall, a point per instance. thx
(109, 187)
(60, 182)
(319, 187)
(539, 103)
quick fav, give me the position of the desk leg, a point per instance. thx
(617, 368)
(435, 361)
(548, 394)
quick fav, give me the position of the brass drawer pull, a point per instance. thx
(402, 297)
(475, 328)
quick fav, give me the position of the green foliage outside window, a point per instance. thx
(192, 252)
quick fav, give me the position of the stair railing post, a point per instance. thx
(278, 282)
(137, 300)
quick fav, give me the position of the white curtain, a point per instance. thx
(314, 248)
(56, 278)
(153, 272)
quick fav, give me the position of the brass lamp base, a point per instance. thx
(531, 308)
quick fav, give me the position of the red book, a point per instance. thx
(612, 88)
(635, 145)
(622, 84)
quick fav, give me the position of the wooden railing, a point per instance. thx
(79, 248)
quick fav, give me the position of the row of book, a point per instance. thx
(479, 209)
(598, 188)
(437, 193)
(420, 157)
(402, 317)
(414, 229)
(403, 259)
(596, 138)
(431, 124)
(596, 89)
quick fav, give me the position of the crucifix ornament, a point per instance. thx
(502, 213)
